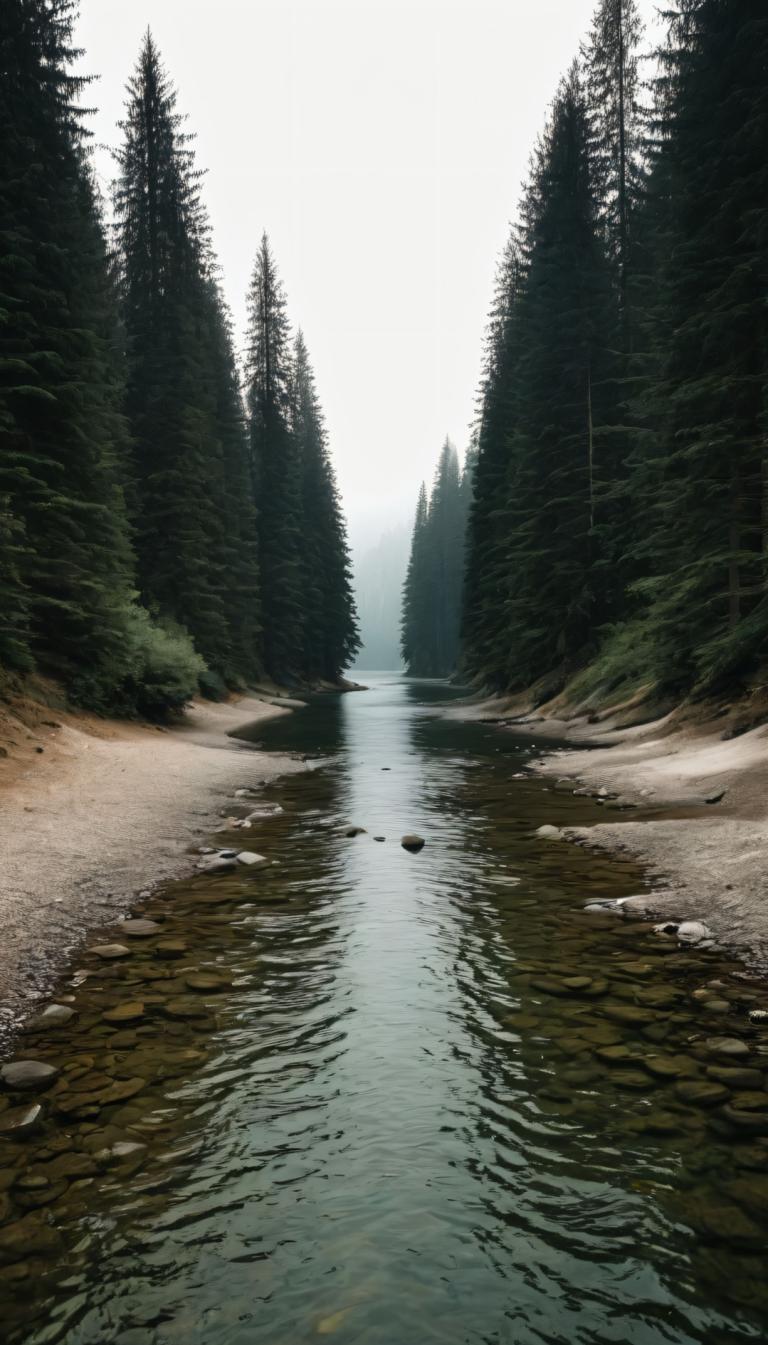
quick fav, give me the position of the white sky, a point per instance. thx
(382, 144)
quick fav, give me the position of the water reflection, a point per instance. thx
(425, 1100)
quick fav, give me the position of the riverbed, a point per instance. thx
(393, 1098)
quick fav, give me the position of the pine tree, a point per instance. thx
(617, 122)
(329, 631)
(276, 469)
(707, 538)
(178, 375)
(485, 588)
(67, 565)
(549, 592)
(434, 582)
(415, 596)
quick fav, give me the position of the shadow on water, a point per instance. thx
(394, 1098)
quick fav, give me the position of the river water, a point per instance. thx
(395, 1098)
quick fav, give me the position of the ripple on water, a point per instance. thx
(389, 1097)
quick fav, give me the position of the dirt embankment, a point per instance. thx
(687, 799)
(104, 810)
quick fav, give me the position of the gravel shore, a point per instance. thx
(689, 804)
(94, 811)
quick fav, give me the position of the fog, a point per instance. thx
(382, 145)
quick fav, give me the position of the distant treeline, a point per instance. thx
(432, 593)
(619, 523)
(160, 528)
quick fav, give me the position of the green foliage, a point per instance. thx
(155, 674)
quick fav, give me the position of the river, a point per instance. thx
(393, 1098)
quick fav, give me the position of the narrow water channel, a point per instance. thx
(393, 1098)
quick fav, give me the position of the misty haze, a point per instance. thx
(383, 668)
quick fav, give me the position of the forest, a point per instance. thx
(618, 530)
(169, 515)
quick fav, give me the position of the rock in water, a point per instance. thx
(354, 831)
(549, 833)
(413, 843)
(693, 931)
(56, 1015)
(250, 857)
(140, 929)
(109, 951)
(28, 1075)
(19, 1121)
(217, 865)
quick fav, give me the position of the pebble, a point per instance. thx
(140, 929)
(412, 843)
(168, 949)
(727, 1046)
(18, 1121)
(701, 1092)
(110, 951)
(28, 1075)
(734, 1077)
(56, 1015)
(250, 857)
(128, 1012)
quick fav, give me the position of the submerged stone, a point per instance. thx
(56, 1015)
(128, 1012)
(28, 1075)
(701, 1092)
(28, 1237)
(140, 929)
(111, 951)
(18, 1122)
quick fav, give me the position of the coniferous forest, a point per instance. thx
(617, 530)
(432, 592)
(164, 526)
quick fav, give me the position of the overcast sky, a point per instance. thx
(381, 144)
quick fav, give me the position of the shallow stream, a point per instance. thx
(393, 1098)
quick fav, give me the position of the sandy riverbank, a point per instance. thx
(105, 810)
(691, 806)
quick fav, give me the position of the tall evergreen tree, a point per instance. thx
(67, 565)
(548, 501)
(434, 582)
(707, 536)
(415, 592)
(486, 580)
(330, 634)
(617, 123)
(276, 468)
(195, 560)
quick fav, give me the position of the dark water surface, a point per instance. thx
(413, 1098)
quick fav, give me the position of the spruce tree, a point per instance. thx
(434, 582)
(66, 563)
(707, 537)
(178, 376)
(276, 470)
(486, 580)
(329, 632)
(549, 503)
(415, 595)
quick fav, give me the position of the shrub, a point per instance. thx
(152, 670)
